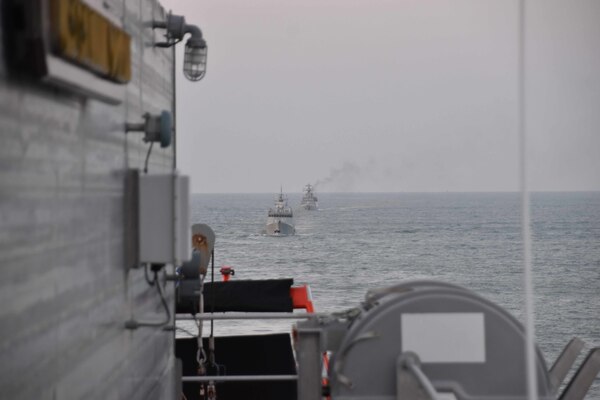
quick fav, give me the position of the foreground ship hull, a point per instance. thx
(280, 228)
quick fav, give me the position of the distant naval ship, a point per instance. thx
(309, 200)
(280, 220)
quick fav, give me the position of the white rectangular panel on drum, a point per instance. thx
(444, 337)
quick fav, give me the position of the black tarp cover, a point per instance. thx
(272, 295)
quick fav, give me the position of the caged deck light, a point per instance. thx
(194, 59)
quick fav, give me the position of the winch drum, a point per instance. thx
(468, 347)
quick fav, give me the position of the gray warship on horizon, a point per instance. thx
(280, 219)
(309, 200)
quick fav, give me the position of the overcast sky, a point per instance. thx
(389, 96)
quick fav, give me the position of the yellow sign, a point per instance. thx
(82, 35)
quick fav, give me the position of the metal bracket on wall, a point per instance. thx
(156, 128)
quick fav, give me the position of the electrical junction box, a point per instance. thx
(164, 219)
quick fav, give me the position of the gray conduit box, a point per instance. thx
(164, 218)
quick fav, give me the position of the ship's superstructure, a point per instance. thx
(309, 200)
(74, 295)
(280, 219)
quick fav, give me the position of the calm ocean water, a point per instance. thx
(356, 242)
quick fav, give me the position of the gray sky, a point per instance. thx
(389, 96)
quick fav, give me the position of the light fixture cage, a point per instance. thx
(194, 60)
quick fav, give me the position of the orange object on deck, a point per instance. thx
(301, 298)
